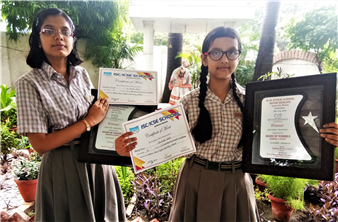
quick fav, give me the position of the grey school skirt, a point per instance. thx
(209, 195)
(72, 191)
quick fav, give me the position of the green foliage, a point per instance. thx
(336, 153)
(314, 32)
(35, 157)
(125, 176)
(287, 188)
(167, 174)
(8, 106)
(263, 196)
(111, 52)
(330, 62)
(26, 170)
(8, 141)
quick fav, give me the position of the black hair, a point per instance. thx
(203, 129)
(36, 54)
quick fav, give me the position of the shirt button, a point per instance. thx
(222, 144)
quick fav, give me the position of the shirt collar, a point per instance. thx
(73, 72)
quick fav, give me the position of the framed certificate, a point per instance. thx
(128, 87)
(283, 120)
(98, 145)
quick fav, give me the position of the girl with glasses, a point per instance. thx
(211, 185)
(53, 107)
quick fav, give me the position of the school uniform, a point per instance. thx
(211, 185)
(67, 190)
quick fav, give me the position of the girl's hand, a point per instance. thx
(330, 133)
(124, 145)
(97, 112)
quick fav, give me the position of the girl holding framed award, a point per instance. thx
(211, 185)
(53, 105)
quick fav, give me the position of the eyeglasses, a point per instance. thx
(217, 55)
(52, 32)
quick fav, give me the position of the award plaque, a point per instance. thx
(283, 120)
(98, 145)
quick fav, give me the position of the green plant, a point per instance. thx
(167, 174)
(26, 169)
(8, 106)
(263, 196)
(8, 141)
(125, 176)
(336, 153)
(289, 189)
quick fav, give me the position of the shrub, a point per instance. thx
(26, 170)
(125, 176)
(328, 194)
(8, 141)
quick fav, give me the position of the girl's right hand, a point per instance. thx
(124, 145)
(97, 112)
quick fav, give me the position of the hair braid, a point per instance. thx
(241, 106)
(203, 129)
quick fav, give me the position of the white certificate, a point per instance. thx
(110, 128)
(279, 138)
(161, 136)
(128, 87)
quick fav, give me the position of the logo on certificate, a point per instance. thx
(135, 129)
(146, 75)
(170, 114)
(107, 73)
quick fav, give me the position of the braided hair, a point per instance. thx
(202, 131)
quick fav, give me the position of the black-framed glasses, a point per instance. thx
(217, 54)
(52, 32)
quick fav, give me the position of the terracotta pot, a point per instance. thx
(336, 166)
(260, 185)
(280, 211)
(27, 189)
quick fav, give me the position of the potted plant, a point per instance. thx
(286, 194)
(26, 176)
(260, 182)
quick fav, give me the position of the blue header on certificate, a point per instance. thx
(128, 87)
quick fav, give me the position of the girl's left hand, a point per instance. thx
(124, 144)
(330, 133)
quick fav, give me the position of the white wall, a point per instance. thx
(296, 66)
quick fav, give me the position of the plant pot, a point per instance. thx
(280, 211)
(260, 185)
(27, 189)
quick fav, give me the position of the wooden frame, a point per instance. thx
(317, 94)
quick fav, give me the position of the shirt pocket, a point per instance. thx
(237, 126)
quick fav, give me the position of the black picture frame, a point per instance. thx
(90, 154)
(319, 93)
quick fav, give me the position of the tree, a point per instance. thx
(267, 42)
(316, 31)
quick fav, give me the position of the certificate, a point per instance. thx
(283, 120)
(161, 136)
(128, 87)
(278, 130)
